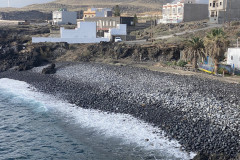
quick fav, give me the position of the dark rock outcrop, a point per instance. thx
(49, 70)
(25, 15)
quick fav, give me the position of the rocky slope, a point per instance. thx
(25, 15)
(129, 6)
(16, 50)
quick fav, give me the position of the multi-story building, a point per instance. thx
(97, 12)
(233, 58)
(64, 17)
(221, 11)
(184, 11)
(105, 23)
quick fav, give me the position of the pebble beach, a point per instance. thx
(202, 114)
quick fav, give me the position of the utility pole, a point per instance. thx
(229, 12)
(151, 29)
(238, 42)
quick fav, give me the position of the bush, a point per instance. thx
(181, 63)
(220, 71)
(171, 63)
(235, 23)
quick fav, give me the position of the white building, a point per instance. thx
(121, 30)
(84, 33)
(221, 11)
(233, 57)
(64, 17)
(184, 11)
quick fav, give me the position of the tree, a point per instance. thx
(216, 43)
(194, 50)
(135, 19)
(117, 12)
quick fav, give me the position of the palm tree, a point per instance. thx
(194, 50)
(216, 43)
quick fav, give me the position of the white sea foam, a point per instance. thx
(126, 127)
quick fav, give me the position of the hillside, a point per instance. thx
(127, 6)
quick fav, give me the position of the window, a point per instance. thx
(212, 14)
(114, 23)
(210, 4)
(214, 4)
(103, 24)
(179, 10)
(231, 57)
(106, 23)
(220, 3)
(164, 11)
(110, 23)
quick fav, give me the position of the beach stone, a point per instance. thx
(49, 70)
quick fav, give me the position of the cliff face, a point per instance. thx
(16, 50)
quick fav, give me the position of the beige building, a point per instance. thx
(183, 11)
(97, 12)
(221, 11)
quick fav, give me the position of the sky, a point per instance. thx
(21, 3)
(202, 1)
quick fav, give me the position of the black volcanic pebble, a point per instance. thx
(188, 108)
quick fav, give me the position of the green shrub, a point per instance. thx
(181, 63)
(235, 23)
(220, 71)
(171, 63)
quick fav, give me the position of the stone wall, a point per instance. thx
(195, 12)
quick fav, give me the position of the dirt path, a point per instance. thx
(161, 68)
(190, 31)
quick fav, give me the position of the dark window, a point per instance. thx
(231, 57)
(220, 3)
(214, 4)
(210, 4)
(212, 14)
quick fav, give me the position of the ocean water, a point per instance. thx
(34, 125)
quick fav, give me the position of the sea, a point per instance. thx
(35, 125)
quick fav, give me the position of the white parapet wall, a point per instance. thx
(121, 29)
(69, 40)
(84, 30)
(84, 33)
(233, 57)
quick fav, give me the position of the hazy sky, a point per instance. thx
(21, 3)
(202, 1)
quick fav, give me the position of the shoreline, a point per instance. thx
(175, 103)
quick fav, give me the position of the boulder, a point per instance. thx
(49, 70)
